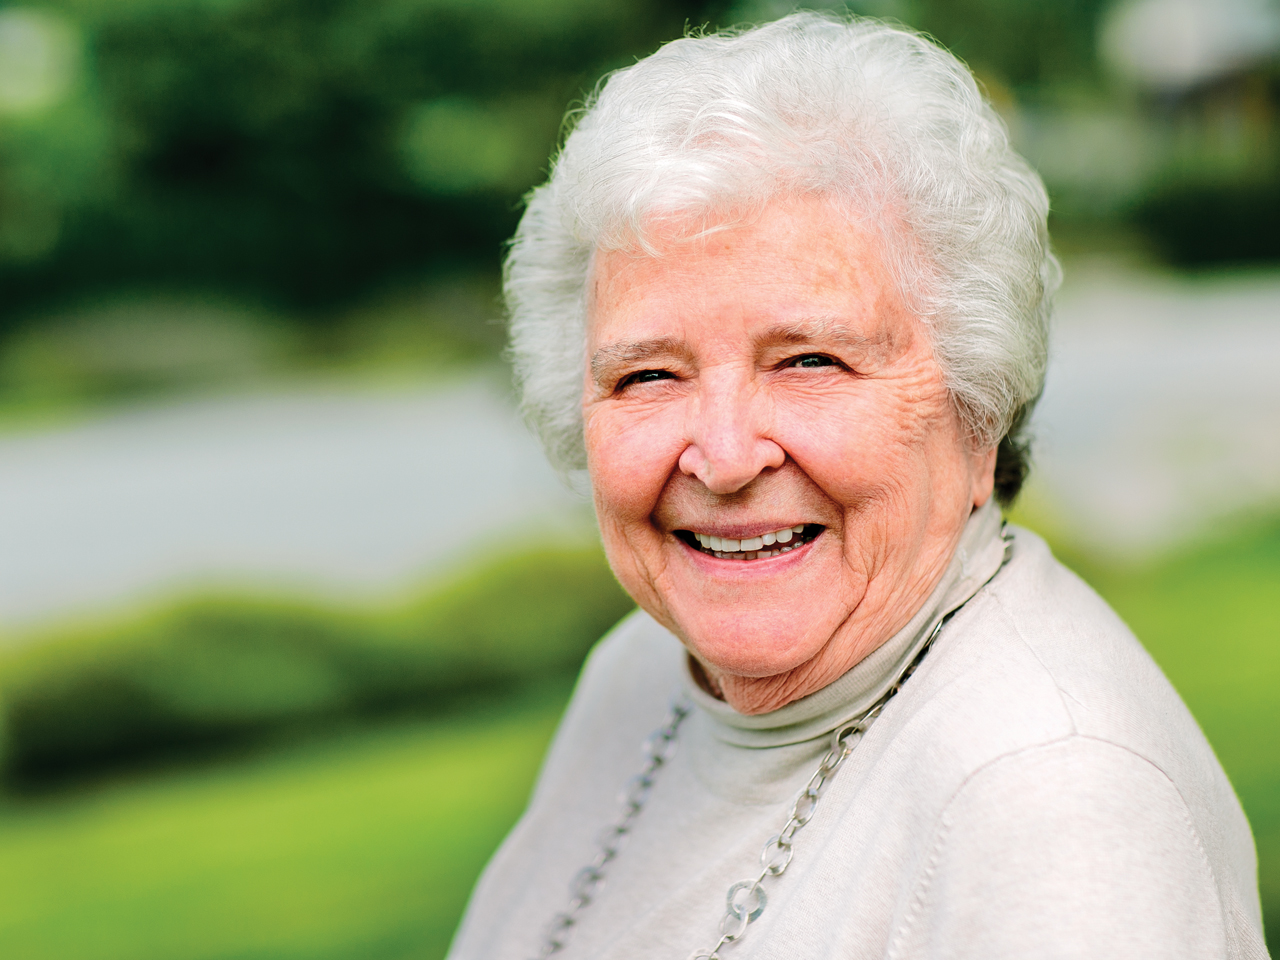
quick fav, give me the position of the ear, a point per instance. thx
(982, 470)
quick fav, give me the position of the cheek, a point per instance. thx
(856, 443)
(630, 456)
(630, 460)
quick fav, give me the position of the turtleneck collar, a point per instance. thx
(978, 556)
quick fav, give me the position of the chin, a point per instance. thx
(756, 645)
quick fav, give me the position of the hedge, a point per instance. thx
(218, 670)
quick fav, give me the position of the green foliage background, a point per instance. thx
(280, 149)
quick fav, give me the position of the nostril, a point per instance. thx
(725, 468)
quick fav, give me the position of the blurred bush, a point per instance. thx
(127, 346)
(213, 672)
(1202, 219)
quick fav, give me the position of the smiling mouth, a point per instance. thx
(773, 544)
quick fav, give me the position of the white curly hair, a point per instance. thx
(877, 118)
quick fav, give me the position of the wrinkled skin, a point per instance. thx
(767, 375)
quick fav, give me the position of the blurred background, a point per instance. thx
(289, 601)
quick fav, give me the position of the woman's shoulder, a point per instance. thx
(1037, 682)
(1040, 618)
(635, 669)
(1042, 654)
(1086, 846)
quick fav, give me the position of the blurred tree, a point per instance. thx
(302, 152)
(297, 150)
(1019, 43)
(1023, 43)
(52, 145)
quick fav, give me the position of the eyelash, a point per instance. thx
(644, 376)
(799, 361)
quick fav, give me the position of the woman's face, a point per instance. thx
(767, 378)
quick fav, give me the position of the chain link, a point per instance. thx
(779, 849)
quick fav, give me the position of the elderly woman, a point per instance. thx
(785, 299)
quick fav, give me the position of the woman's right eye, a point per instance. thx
(645, 376)
(811, 360)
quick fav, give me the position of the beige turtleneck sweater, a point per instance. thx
(1036, 789)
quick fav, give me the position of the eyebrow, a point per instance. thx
(636, 351)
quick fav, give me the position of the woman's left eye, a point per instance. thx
(811, 360)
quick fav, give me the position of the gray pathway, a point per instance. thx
(322, 490)
(1161, 413)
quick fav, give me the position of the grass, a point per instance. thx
(360, 848)
(97, 354)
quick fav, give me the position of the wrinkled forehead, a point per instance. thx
(799, 271)
(801, 242)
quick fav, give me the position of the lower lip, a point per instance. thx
(722, 565)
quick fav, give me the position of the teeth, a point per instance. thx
(753, 548)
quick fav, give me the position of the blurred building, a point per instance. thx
(1177, 47)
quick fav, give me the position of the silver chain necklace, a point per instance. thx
(746, 899)
(658, 749)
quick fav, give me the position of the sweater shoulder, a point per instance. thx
(1040, 639)
(1038, 658)
(1108, 685)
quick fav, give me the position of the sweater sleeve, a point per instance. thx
(1077, 848)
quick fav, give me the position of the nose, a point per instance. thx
(727, 423)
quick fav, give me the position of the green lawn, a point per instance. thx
(357, 848)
